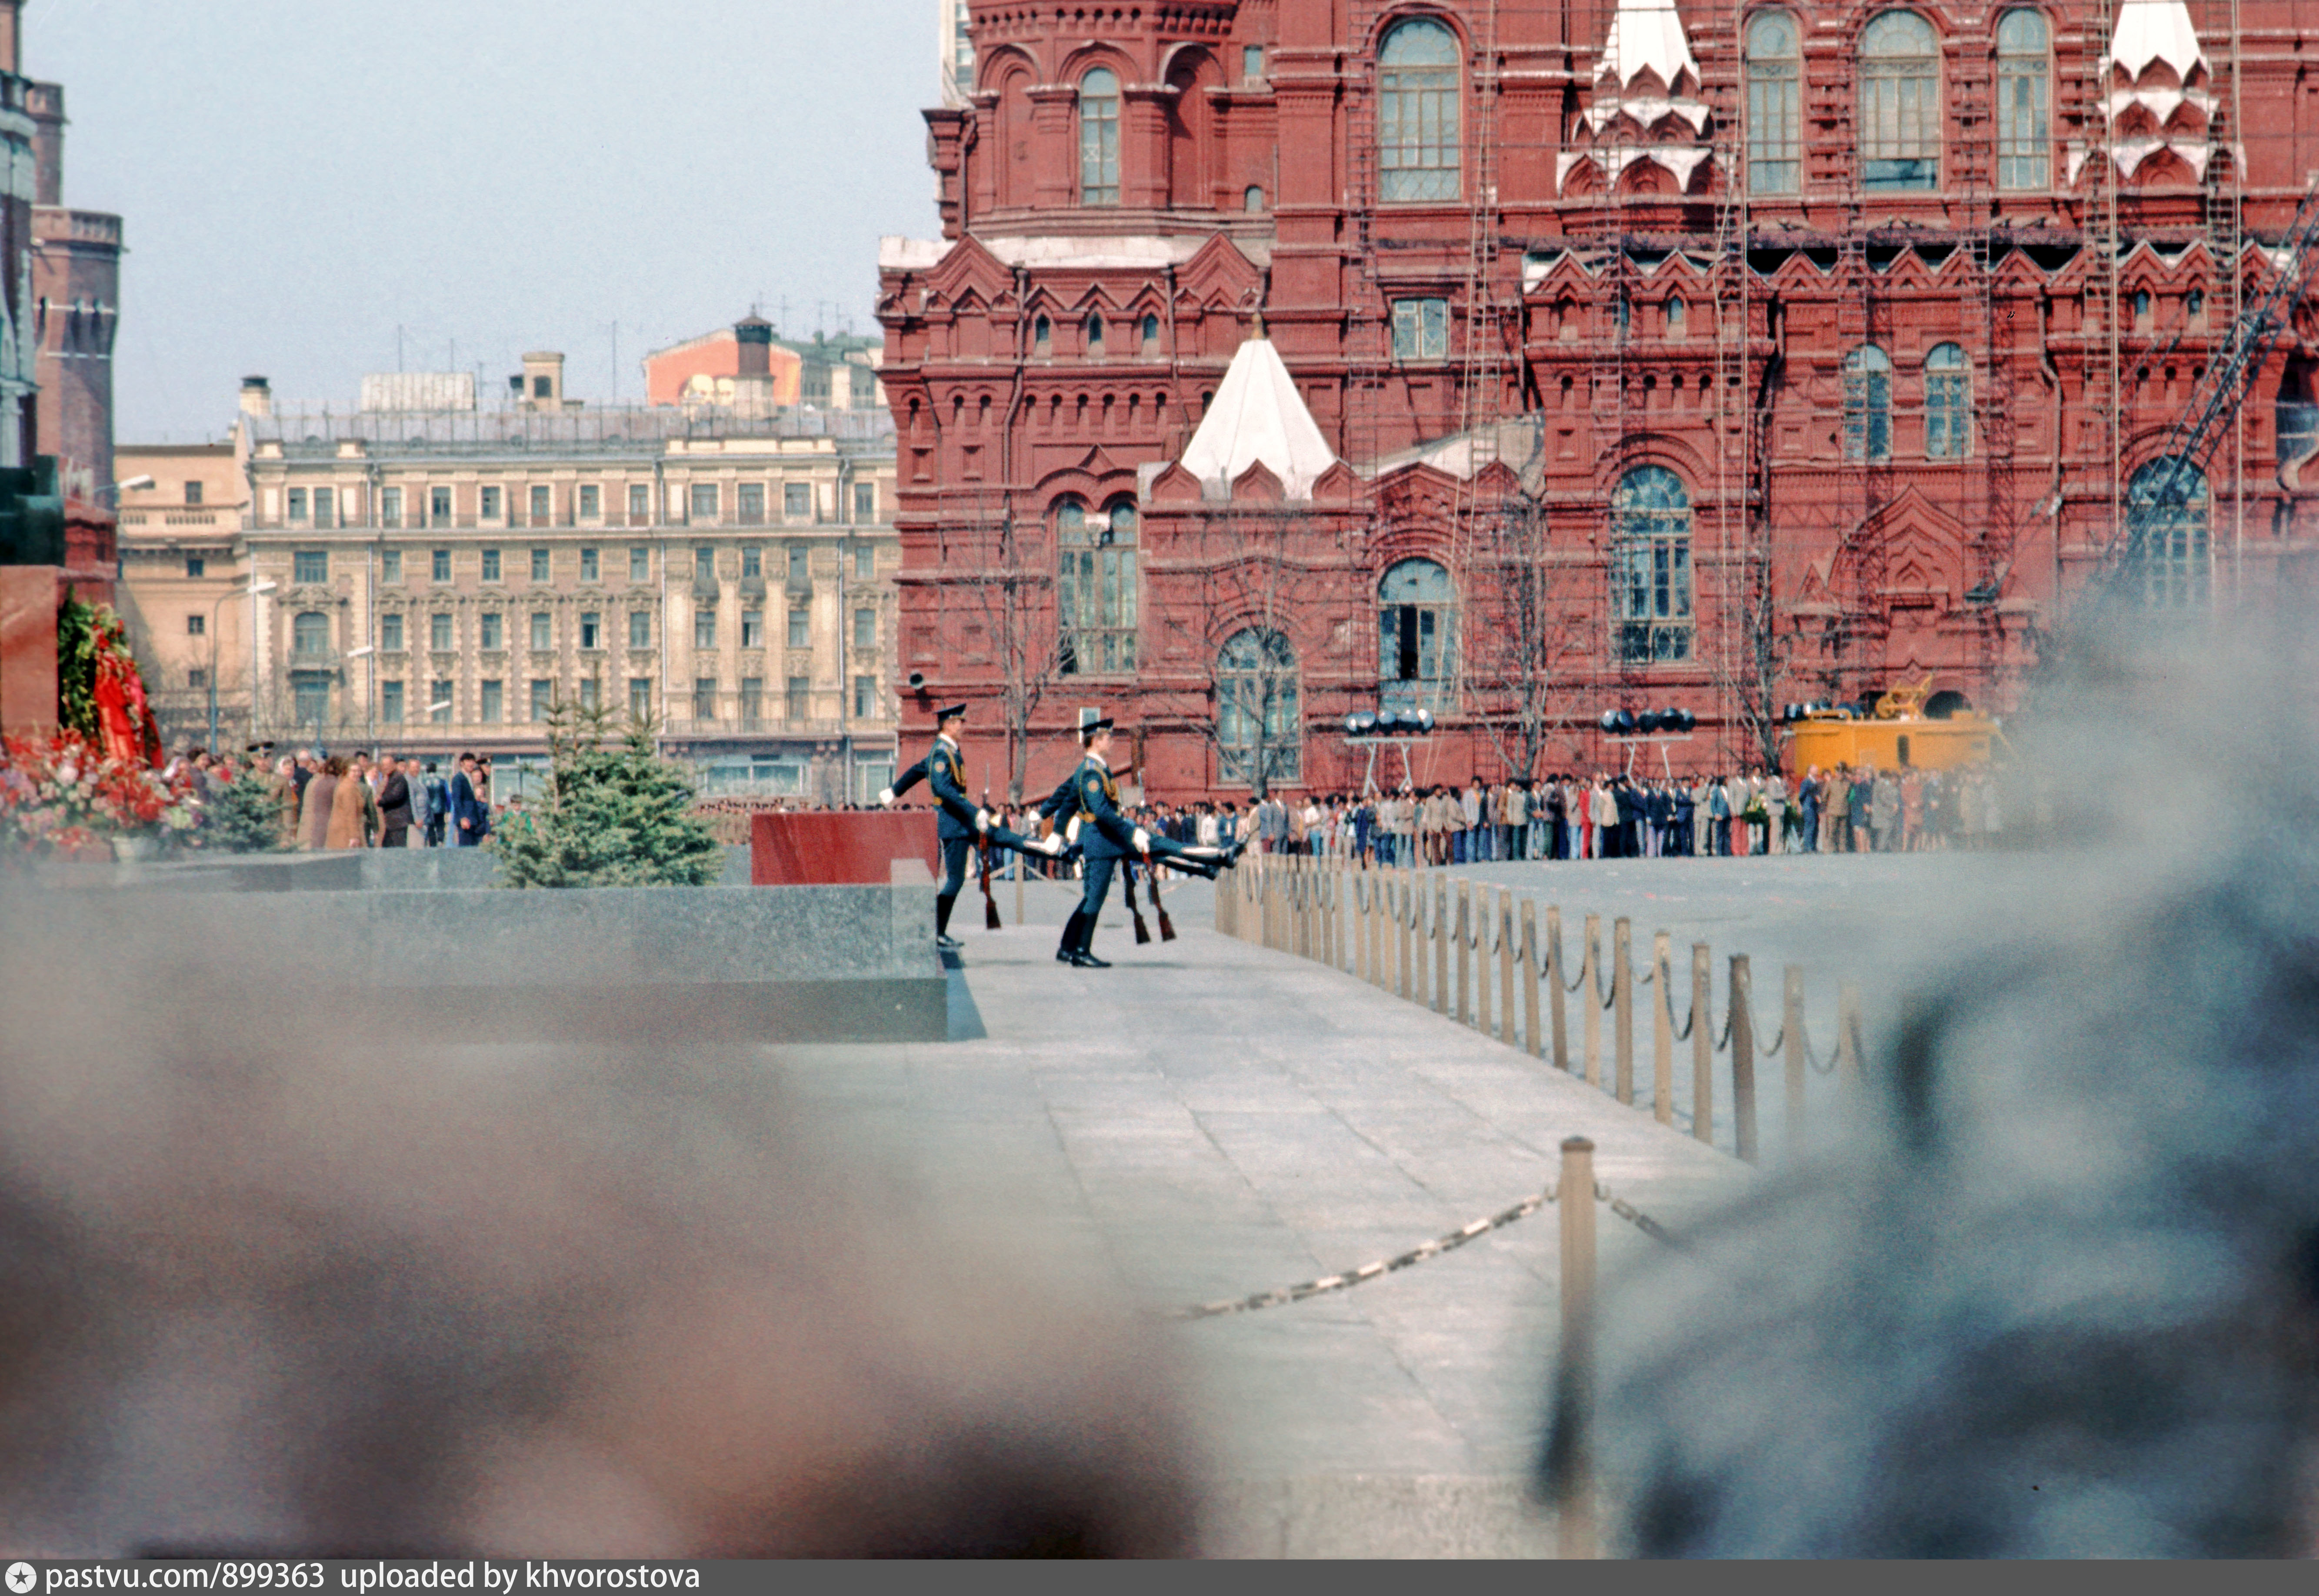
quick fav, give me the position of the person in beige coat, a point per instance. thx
(314, 816)
(345, 821)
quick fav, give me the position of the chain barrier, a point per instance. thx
(1301, 916)
(1639, 1219)
(1378, 1270)
(1452, 1242)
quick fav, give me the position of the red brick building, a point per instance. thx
(1654, 354)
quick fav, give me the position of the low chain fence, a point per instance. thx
(1475, 953)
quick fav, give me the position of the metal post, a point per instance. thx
(1555, 997)
(1574, 1195)
(1466, 1013)
(1589, 998)
(1743, 1050)
(1848, 1037)
(1791, 1024)
(1440, 945)
(1662, 1033)
(1622, 1001)
(1702, 1026)
(1505, 921)
(1531, 1037)
(1408, 935)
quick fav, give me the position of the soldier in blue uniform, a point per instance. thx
(1107, 837)
(961, 823)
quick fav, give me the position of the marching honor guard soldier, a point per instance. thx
(962, 823)
(1106, 836)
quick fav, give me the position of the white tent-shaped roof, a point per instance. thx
(1257, 415)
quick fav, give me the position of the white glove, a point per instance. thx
(1204, 852)
(885, 798)
(1051, 846)
(1143, 840)
(982, 820)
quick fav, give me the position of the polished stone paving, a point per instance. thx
(1210, 1119)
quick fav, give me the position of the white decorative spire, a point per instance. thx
(1645, 106)
(2156, 86)
(1257, 415)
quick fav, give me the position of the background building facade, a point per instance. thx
(1660, 355)
(436, 580)
(183, 592)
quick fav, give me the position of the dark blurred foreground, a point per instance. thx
(2059, 1294)
(354, 1293)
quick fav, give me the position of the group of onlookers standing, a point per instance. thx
(1848, 810)
(327, 800)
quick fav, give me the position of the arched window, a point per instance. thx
(1151, 334)
(2167, 551)
(1948, 403)
(1774, 106)
(1252, 202)
(1099, 138)
(1258, 738)
(1417, 142)
(1095, 333)
(2024, 155)
(1900, 128)
(1042, 336)
(1650, 566)
(1094, 591)
(310, 634)
(1677, 313)
(1868, 404)
(1416, 637)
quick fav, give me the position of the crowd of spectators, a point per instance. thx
(363, 799)
(1846, 810)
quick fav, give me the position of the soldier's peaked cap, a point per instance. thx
(950, 712)
(1088, 728)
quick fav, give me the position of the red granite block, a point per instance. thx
(839, 848)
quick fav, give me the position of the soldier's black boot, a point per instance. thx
(944, 902)
(1068, 948)
(1083, 954)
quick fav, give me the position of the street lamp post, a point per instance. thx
(370, 695)
(251, 591)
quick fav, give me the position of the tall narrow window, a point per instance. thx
(2024, 156)
(1150, 334)
(1258, 738)
(1650, 566)
(1097, 588)
(1899, 130)
(1868, 404)
(2167, 549)
(1948, 403)
(1416, 637)
(1099, 138)
(1042, 336)
(1095, 335)
(310, 635)
(1774, 106)
(1418, 146)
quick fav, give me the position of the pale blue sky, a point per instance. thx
(300, 176)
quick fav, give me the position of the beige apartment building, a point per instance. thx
(183, 591)
(432, 581)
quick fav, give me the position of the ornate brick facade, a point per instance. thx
(1668, 354)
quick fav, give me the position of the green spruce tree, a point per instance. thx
(617, 813)
(245, 818)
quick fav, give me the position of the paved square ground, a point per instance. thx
(1209, 1119)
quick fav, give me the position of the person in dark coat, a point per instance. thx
(394, 803)
(471, 817)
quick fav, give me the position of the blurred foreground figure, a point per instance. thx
(2059, 1294)
(341, 1293)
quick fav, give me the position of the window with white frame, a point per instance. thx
(1774, 105)
(1420, 148)
(1901, 114)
